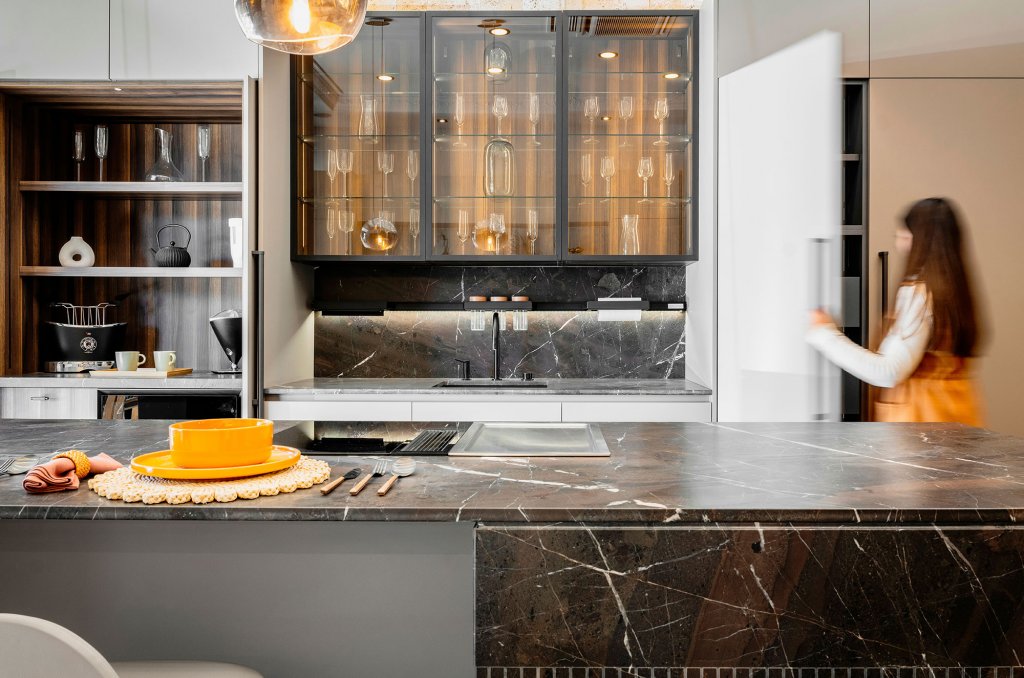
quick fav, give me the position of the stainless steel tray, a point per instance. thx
(531, 440)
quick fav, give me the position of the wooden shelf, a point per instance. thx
(130, 272)
(140, 189)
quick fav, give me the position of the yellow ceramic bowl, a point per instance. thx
(217, 443)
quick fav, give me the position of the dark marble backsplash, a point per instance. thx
(558, 344)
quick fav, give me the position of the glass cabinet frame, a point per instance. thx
(428, 112)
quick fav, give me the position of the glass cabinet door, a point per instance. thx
(359, 171)
(630, 112)
(494, 177)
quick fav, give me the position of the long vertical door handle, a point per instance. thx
(257, 398)
(883, 258)
(819, 250)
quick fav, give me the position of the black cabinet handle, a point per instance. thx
(39, 397)
(883, 258)
(257, 399)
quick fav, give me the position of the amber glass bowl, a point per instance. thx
(216, 443)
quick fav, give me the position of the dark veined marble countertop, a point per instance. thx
(663, 474)
(326, 387)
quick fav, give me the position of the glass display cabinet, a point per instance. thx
(507, 137)
(630, 126)
(494, 137)
(357, 118)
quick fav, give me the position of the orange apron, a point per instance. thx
(941, 389)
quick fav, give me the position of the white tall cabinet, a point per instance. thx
(53, 40)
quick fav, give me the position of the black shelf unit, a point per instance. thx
(854, 398)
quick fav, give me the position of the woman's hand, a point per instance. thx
(820, 318)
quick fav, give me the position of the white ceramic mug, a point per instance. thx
(129, 361)
(164, 361)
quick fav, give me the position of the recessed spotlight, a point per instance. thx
(608, 55)
(117, 89)
(499, 30)
(605, 118)
(495, 70)
(384, 77)
(442, 121)
(671, 76)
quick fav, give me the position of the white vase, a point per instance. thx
(76, 253)
(236, 240)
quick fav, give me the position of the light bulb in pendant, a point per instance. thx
(300, 16)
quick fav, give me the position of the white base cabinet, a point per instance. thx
(48, 403)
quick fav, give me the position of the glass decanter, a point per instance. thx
(163, 169)
(499, 168)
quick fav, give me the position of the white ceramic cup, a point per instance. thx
(129, 361)
(164, 361)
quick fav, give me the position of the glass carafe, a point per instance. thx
(163, 169)
(499, 168)
(368, 127)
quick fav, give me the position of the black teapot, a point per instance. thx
(171, 254)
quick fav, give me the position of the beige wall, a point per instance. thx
(963, 139)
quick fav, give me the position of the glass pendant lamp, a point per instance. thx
(301, 26)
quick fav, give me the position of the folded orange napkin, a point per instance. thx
(57, 475)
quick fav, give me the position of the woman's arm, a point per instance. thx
(901, 350)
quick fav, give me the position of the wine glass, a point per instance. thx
(535, 116)
(591, 109)
(203, 149)
(668, 175)
(607, 172)
(532, 230)
(464, 231)
(344, 164)
(332, 217)
(645, 170)
(78, 153)
(386, 164)
(347, 224)
(630, 237)
(496, 225)
(412, 169)
(332, 168)
(100, 142)
(660, 114)
(414, 226)
(460, 117)
(625, 115)
(500, 109)
(586, 173)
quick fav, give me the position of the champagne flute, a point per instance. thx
(497, 227)
(460, 117)
(500, 109)
(386, 164)
(586, 173)
(203, 144)
(645, 170)
(100, 142)
(532, 230)
(412, 169)
(668, 175)
(347, 224)
(344, 165)
(607, 172)
(535, 116)
(660, 114)
(332, 169)
(414, 227)
(78, 153)
(464, 231)
(625, 115)
(591, 109)
(332, 211)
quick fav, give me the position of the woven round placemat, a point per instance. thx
(127, 485)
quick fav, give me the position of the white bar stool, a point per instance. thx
(35, 648)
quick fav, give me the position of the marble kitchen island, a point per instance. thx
(754, 546)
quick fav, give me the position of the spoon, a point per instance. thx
(403, 466)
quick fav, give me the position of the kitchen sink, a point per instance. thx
(531, 440)
(490, 383)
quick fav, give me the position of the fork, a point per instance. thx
(378, 471)
(6, 463)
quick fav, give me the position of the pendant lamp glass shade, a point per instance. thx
(301, 26)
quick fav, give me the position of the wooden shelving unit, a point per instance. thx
(131, 272)
(219, 190)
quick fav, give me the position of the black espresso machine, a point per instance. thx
(84, 341)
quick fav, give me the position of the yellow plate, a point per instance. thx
(160, 465)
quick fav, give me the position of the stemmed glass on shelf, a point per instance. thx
(347, 224)
(203, 149)
(532, 230)
(497, 227)
(660, 114)
(412, 169)
(78, 153)
(386, 164)
(500, 109)
(460, 117)
(344, 163)
(607, 172)
(535, 116)
(625, 115)
(332, 170)
(101, 142)
(645, 170)
(586, 173)
(591, 109)
(668, 175)
(464, 230)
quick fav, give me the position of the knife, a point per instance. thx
(327, 489)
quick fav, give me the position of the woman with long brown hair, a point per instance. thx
(923, 362)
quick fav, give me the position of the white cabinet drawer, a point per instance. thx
(334, 410)
(636, 411)
(486, 411)
(48, 403)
